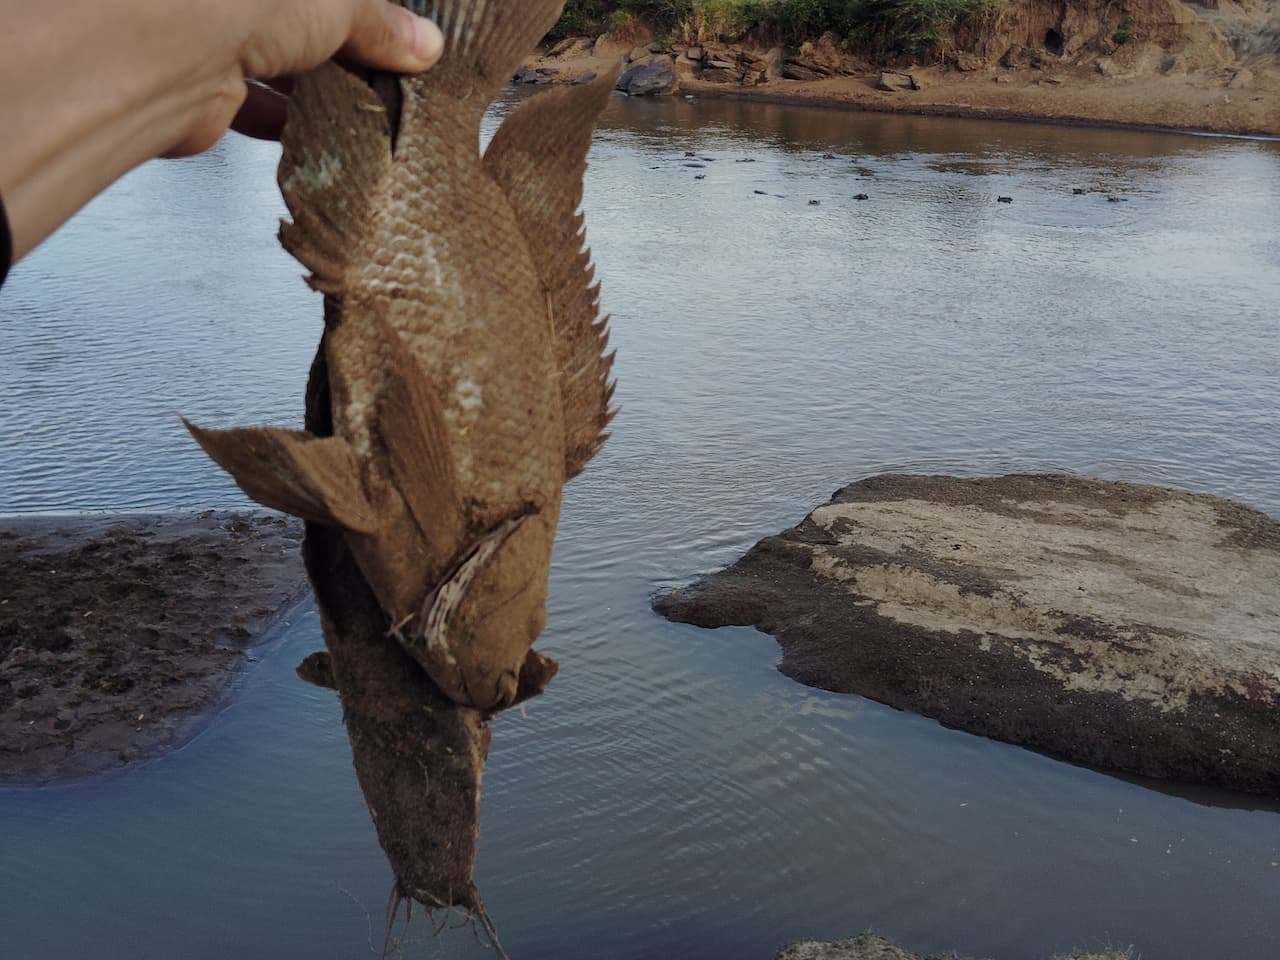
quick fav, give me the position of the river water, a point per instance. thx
(673, 795)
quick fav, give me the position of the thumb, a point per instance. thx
(388, 37)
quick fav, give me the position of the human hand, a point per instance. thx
(289, 38)
(93, 89)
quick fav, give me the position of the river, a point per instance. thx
(673, 796)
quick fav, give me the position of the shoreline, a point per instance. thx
(1061, 93)
(966, 112)
(121, 634)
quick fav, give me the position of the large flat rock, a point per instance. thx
(1128, 627)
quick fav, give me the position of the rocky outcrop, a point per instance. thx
(1128, 627)
(866, 947)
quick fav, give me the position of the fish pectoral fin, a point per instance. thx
(430, 642)
(317, 479)
(538, 158)
(411, 422)
(445, 599)
(536, 673)
(317, 669)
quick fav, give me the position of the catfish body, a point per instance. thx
(460, 382)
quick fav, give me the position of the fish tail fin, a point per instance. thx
(337, 146)
(293, 472)
(485, 41)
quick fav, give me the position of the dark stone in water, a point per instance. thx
(656, 77)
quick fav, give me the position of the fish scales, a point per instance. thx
(461, 380)
(447, 271)
(476, 321)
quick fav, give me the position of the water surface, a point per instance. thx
(673, 795)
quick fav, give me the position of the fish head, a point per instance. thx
(477, 634)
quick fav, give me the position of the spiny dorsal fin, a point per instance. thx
(294, 472)
(485, 41)
(417, 443)
(337, 146)
(538, 157)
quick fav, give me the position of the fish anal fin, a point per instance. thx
(485, 41)
(336, 147)
(538, 157)
(294, 472)
(411, 421)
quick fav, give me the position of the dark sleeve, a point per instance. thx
(6, 244)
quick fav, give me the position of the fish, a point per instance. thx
(462, 379)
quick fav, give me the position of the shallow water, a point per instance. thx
(673, 795)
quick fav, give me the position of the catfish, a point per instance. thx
(462, 379)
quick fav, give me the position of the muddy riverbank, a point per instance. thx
(118, 633)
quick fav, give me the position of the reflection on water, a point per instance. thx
(673, 795)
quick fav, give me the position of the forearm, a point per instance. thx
(89, 90)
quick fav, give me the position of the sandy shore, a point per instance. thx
(117, 634)
(1073, 98)
(1209, 102)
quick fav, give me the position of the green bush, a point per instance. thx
(1124, 32)
(580, 16)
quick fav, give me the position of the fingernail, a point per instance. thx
(428, 41)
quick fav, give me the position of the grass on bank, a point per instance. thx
(889, 26)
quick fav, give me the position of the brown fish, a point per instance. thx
(461, 382)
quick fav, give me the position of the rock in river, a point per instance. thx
(653, 78)
(1128, 627)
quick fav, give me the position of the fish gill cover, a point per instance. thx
(461, 381)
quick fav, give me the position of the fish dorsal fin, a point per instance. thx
(538, 157)
(485, 41)
(294, 472)
(411, 421)
(337, 146)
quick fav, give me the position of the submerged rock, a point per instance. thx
(1130, 627)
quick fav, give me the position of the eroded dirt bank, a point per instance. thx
(1212, 66)
(1122, 626)
(117, 632)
